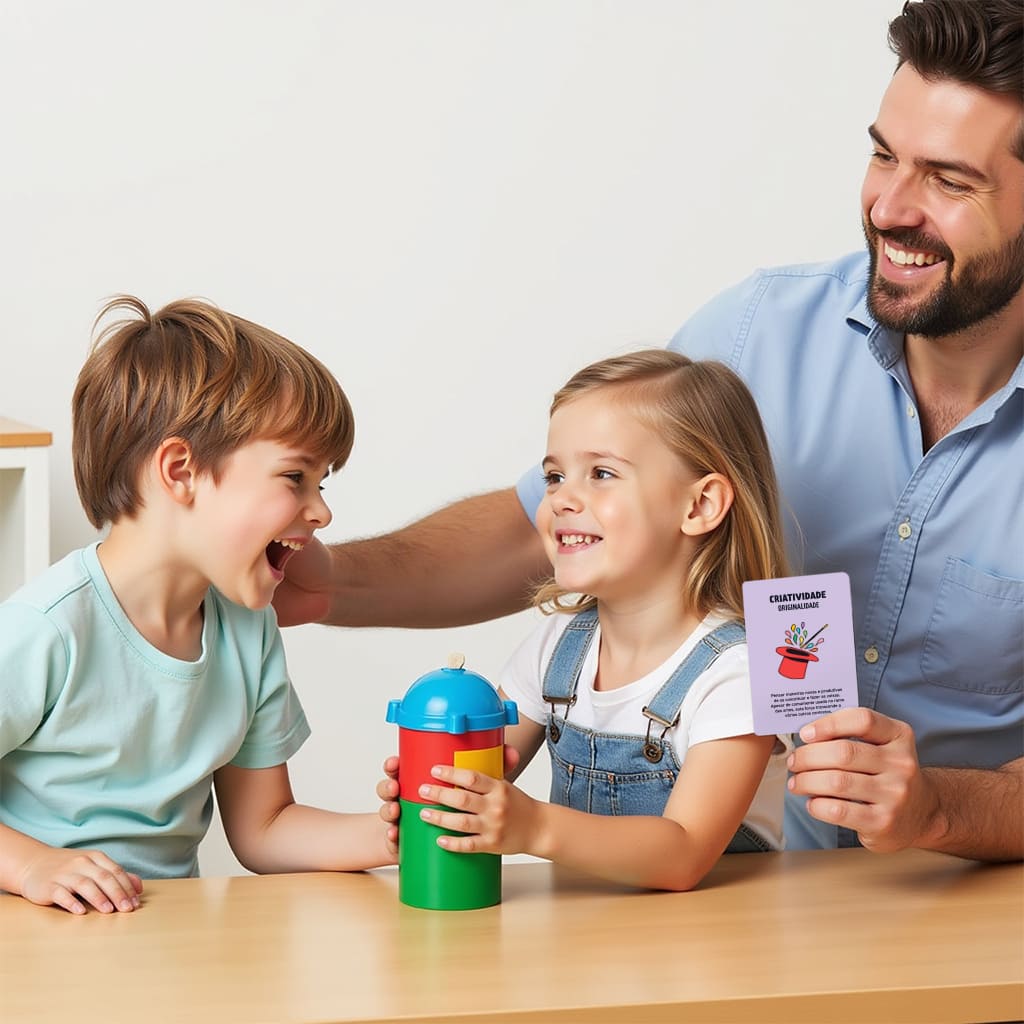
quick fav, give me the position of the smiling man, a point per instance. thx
(891, 383)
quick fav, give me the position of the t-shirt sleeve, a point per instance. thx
(721, 704)
(522, 676)
(278, 726)
(33, 667)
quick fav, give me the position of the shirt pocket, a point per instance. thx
(975, 637)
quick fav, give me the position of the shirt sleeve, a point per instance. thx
(33, 667)
(719, 704)
(278, 727)
(717, 329)
(522, 677)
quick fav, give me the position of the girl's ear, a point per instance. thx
(710, 499)
(174, 469)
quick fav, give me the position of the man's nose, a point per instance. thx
(898, 204)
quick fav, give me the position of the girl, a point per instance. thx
(661, 500)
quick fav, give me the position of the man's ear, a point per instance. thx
(174, 469)
(710, 499)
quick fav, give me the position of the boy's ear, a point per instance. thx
(175, 470)
(710, 499)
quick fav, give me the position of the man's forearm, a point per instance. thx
(475, 560)
(979, 813)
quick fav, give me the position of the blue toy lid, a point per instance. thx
(452, 700)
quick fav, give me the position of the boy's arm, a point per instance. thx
(270, 833)
(713, 792)
(52, 876)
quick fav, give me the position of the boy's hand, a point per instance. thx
(387, 790)
(498, 817)
(55, 877)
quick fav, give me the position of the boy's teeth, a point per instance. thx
(293, 544)
(577, 538)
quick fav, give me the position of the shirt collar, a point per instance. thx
(887, 346)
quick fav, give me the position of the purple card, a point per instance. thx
(800, 639)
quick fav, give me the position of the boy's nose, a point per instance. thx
(319, 513)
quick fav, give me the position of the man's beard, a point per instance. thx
(985, 284)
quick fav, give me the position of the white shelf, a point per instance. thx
(24, 503)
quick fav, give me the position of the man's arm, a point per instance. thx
(474, 560)
(877, 788)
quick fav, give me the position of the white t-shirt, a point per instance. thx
(717, 705)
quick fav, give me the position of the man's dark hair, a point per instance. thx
(976, 42)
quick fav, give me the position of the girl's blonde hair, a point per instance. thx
(706, 415)
(193, 371)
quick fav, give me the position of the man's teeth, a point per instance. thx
(904, 259)
(571, 539)
(295, 545)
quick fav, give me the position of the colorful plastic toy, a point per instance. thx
(449, 716)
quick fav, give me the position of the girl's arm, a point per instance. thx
(270, 833)
(714, 790)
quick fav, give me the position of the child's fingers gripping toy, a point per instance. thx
(454, 717)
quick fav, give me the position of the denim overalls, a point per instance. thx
(619, 774)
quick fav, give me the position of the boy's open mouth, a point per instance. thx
(279, 551)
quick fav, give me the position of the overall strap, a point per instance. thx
(563, 669)
(664, 706)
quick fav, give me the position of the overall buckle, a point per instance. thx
(653, 749)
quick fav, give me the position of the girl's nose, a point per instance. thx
(566, 498)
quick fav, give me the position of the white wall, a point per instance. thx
(454, 204)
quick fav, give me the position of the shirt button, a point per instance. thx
(904, 530)
(871, 655)
(910, 411)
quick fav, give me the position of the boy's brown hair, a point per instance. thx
(193, 371)
(706, 415)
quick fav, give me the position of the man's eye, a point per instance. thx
(952, 186)
(885, 158)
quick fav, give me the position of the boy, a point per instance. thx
(140, 670)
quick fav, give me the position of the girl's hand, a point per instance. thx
(56, 877)
(387, 790)
(498, 817)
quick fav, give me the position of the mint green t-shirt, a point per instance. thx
(107, 743)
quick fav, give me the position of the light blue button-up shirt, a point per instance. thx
(933, 542)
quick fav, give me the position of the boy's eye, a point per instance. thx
(296, 478)
(601, 473)
(551, 478)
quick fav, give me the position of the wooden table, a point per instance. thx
(811, 936)
(24, 503)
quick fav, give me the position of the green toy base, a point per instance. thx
(435, 879)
